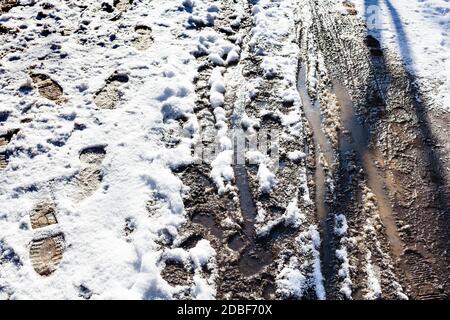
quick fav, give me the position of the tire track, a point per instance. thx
(219, 217)
(279, 233)
(365, 76)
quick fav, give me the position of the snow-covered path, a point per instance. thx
(80, 45)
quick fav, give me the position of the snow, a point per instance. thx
(275, 28)
(290, 281)
(304, 187)
(202, 290)
(273, 22)
(344, 273)
(295, 278)
(296, 155)
(341, 225)
(419, 32)
(266, 179)
(139, 188)
(317, 272)
(292, 217)
(222, 172)
(220, 51)
(273, 39)
(137, 167)
(373, 283)
(203, 13)
(202, 253)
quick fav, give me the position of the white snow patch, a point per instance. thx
(266, 179)
(137, 166)
(373, 282)
(290, 281)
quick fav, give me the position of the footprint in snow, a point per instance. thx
(90, 175)
(46, 252)
(121, 6)
(4, 140)
(143, 38)
(173, 135)
(109, 95)
(48, 88)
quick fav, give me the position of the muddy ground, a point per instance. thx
(377, 154)
(377, 157)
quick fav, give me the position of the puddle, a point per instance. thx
(323, 145)
(357, 140)
(237, 242)
(314, 117)
(209, 223)
(248, 207)
(254, 257)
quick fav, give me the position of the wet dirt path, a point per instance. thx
(323, 152)
(357, 140)
(226, 219)
(387, 131)
(254, 257)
